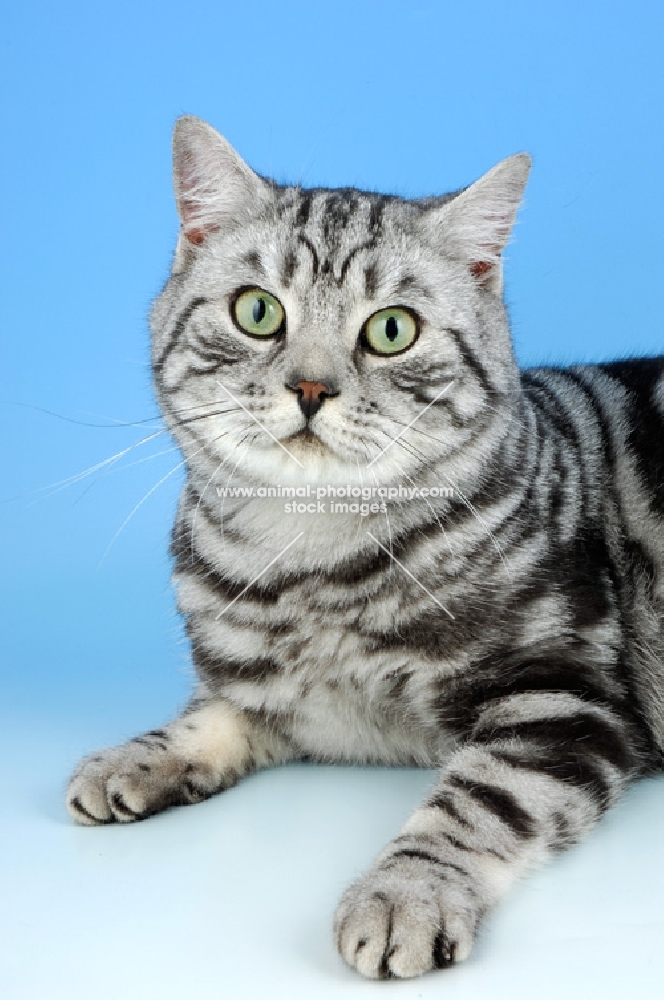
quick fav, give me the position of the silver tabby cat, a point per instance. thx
(501, 618)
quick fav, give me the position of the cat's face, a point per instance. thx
(304, 331)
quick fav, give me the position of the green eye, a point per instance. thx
(258, 313)
(390, 331)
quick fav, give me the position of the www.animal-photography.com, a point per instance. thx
(333, 501)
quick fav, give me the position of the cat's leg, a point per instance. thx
(538, 773)
(202, 752)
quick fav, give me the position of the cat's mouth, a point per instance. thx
(305, 440)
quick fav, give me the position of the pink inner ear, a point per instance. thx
(480, 267)
(190, 181)
(196, 235)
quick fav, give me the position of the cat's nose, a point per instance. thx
(311, 395)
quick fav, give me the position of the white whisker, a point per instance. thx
(121, 468)
(420, 414)
(62, 484)
(431, 508)
(454, 486)
(231, 474)
(205, 488)
(261, 425)
(148, 494)
(139, 504)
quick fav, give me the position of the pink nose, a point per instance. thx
(310, 396)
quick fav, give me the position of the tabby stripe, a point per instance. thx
(471, 360)
(376, 212)
(585, 732)
(640, 377)
(314, 256)
(500, 802)
(253, 259)
(303, 209)
(498, 677)
(576, 767)
(410, 284)
(210, 351)
(445, 804)
(150, 742)
(214, 362)
(602, 425)
(288, 270)
(575, 378)
(363, 565)
(370, 281)
(552, 407)
(217, 667)
(411, 852)
(369, 245)
(460, 846)
(190, 562)
(551, 414)
(176, 333)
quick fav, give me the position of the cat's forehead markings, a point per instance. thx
(253, 259)
(306, 242)
(408, 284)
(367, 245)
(288, 268)
(303, 209)
(370, 281)
(327, 267)
(323, 221)
(338, 209)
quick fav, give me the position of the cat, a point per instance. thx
(494, 609)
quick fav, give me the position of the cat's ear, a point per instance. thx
(214, 187)
(477, 223)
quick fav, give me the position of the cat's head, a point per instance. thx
(302, 332)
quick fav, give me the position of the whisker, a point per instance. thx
(480, 519)
(83, 423)
(177, 414)
(51, 489)
(418, 453)
(200, 499)
(232, 473)
(464, 499)
(79, 476)
(133, 511)
(148, 494)
(410, 424)
(121, 468)
(260, 424)
(431, 508)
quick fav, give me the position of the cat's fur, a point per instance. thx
(542, 697)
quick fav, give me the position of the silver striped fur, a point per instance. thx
(510, 634)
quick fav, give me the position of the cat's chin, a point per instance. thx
(304, 443)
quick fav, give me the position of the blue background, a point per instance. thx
(415, 98)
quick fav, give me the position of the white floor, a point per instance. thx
(234, 898)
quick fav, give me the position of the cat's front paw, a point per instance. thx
(134, 781)
(405, 919)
